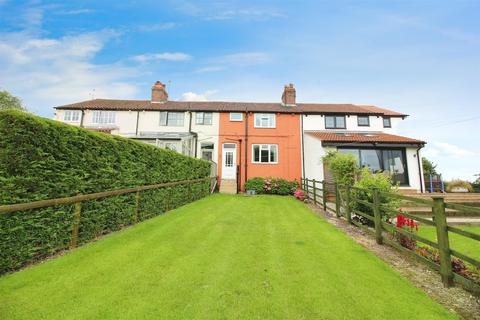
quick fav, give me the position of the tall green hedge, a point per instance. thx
(44, 159)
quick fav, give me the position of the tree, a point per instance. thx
(429, 167)
(8, 101)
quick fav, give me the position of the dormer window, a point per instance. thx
(335, 122)
(363, 121)
(387, 123)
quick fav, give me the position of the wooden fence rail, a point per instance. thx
(78, 199)
(343, 207)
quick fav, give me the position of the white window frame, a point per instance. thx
(167, 120)
(262, 147)
(236, 119)
(103, 117)
(71, 115)
(200, 118)
(269, 117)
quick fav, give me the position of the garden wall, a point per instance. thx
(44, 159)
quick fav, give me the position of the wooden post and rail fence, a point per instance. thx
(344, 206)
(77, 201)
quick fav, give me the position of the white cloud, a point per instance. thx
(209, 69)
(156, 26)
(46, 72)
(248, 14)
(75, 11)
(192, 96)
(166, 56)
(245, 58)
(444, 149)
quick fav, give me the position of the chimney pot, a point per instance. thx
(289, 95)
(159, 93)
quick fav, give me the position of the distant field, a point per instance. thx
(458, 242)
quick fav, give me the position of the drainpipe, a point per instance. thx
(136, 126)
(82, 115)
(422, 183)
(303, 146)
(246, 146)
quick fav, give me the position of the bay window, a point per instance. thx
(265, 153)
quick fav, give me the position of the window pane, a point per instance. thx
(355, 152)
(363, 121)
(236, 116)
(393, 163)
(264, 120)
(207, 118)
(273, 153)
(329, 122)
(256, 153)
(163, 118)
(175, 119)
(199, 118)
(340, 122)
(264, 155)
(386, 122)
(371, 159)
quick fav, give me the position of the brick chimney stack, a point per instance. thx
(159, 93)
(289, 95)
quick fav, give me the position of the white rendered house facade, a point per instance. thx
(370, 138)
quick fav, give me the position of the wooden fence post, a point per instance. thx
(137, 205)
(76, 224)
(314, 192)
(324, 197)
(348, 211)
(377, 216)
(443, 243)
(337, 200)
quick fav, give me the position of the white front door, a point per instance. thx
(229, 161)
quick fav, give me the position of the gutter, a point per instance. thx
(136, 126)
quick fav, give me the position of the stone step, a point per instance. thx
(228, 186)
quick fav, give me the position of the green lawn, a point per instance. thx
(458, 242)
(223, 257)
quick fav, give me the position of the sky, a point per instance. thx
(419, 57)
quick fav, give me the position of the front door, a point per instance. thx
(229, 161)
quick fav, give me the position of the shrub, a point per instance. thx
(343, 167)
(271, 186)
(300, 195)
(458, 184)
(368, 182)
(44, 159)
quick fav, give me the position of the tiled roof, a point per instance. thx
(107, 104)
(361, 137)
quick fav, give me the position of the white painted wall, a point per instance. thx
(415, 174)
(149, 121)
(313, 157)
(317, 122)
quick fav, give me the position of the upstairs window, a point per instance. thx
(236, 116)
(265, 153)
(264, 120)
(103, 117)
(71, 116)
(387, 123)
(363, 121)
(173, 119)
(335, 122)
(204, 118)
